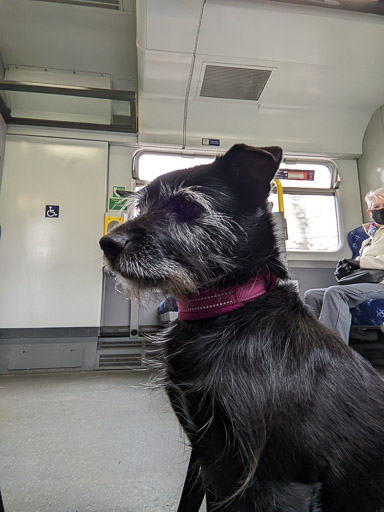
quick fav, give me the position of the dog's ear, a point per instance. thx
(251, 171)
(257, 164)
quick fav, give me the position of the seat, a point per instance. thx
(369, 313)
(355, 238)
(167, 310)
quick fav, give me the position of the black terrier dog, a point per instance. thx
(281, 415)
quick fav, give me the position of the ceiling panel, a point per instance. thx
(278, 32)
(327, 74)
(70, 37)
(170, 25)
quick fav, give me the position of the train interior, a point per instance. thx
(98, 96)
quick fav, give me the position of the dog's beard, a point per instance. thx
(143, 282)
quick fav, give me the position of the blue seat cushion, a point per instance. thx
(369, 312)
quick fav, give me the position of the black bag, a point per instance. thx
(362, 276)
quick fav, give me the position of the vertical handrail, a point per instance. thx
(280, 199)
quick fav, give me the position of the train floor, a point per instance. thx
(89, 442)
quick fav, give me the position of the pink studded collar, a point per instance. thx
(222, 300)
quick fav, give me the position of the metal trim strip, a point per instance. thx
(49, 332)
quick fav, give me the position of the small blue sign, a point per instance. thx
(52, 211)
(210, 142)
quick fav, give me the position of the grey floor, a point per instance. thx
(99, 442)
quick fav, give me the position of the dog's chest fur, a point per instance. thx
(255, 390)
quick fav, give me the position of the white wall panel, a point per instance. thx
(168, 127)
(301, 130)
(164, 75)
(50, 268)
(371, 163)
(3, 130)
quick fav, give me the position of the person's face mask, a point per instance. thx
(377, 215)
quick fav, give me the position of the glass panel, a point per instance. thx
(75, 109)
(311, 219)
(305, 175)
(152, 165)
(311, 222)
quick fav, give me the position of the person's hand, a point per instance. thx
(354, 264)
(346, 267)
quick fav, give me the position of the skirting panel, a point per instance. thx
(47, 349)
(59, 355)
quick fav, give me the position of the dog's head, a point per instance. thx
(198, 228)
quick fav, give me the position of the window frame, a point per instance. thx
(169, 152)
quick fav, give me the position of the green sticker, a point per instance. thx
(114, 194)
(117, 203)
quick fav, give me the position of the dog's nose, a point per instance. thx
(112, 245)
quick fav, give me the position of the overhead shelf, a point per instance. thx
(62, 106)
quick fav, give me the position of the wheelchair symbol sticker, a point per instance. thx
(52, 211)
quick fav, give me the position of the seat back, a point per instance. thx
(371, 311)
(355, 238)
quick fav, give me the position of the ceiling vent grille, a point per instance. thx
(104, 4)
(234, 83)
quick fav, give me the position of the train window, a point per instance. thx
(311, 222)
(309, 205)
(148, 165)
(309, 195)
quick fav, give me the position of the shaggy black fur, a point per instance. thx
(281, 415)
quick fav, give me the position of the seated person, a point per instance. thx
(332, 305)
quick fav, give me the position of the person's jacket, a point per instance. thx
(371, 254)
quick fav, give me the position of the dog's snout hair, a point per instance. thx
(281, 415)
(118, 239)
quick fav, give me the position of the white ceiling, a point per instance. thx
(327, 65)
(327, 73)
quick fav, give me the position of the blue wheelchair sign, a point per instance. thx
(52, 211)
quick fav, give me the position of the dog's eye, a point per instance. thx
(185, 208)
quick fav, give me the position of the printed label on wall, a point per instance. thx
(210, 142)
(114, 193)
(117, 203)
(52, 211)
